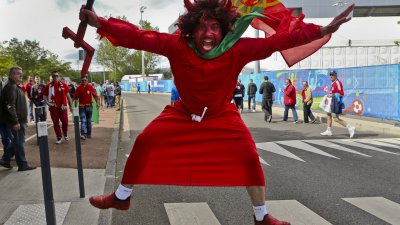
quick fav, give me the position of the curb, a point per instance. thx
(105, 216)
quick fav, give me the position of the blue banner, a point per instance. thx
(369, 91)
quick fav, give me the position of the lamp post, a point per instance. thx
(142, 8)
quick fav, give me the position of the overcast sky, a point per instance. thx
(43, 20)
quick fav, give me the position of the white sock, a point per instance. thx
(123, 193)
(260, 212)
(348, 126)
(328, 129)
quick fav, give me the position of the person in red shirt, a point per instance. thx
(56, 96)
(85, 92)
(28, 86)
(336, 89)
(197, 134)
(289, 100)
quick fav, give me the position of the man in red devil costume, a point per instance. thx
(211, 146)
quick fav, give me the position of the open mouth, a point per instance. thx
(208, 44)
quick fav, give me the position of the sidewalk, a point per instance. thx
(21, 193)
(362, 123)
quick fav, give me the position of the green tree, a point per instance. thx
(6, 62)
(122, 61)
(33, 59)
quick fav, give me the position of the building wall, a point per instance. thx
(324, 8)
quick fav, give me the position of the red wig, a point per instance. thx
(221, 10)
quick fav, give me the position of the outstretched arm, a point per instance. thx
(340, 19)
(125, 34)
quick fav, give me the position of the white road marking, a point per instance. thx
(360, 145)
(294, 212)
(380, 207)
(390, 140)
(190, 213)
(274, 148)
(376, 142)
(305, 147)
(334, 146)
(263, 162)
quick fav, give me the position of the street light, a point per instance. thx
(142, 8)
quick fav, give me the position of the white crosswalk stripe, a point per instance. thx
(305, 147)
(334, 146)
(390, 140)
(380, 207)
(262, 161)
(272, 147)
(377, 142)
(199, 213)
(295, 213)
(190, 213)
(360, 145)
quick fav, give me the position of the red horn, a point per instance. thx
(188, 5)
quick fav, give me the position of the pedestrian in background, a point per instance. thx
(290, 101)
(56, 95)
(137, 88)
(148, 88)
(307, 99)
(118, 93)
(336, 93)
(174, 94)
(28, 86)
(238, 95)
(85, 92)
(14, 111)
(37, 97)
(100, 93)
(251, 93)
(5, 132)
(72, 88)
(110, 94)
(267, 89)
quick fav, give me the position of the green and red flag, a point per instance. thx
(274, 12)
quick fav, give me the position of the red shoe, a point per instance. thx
(109, 201)
(270, 220)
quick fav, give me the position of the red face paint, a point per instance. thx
(207, 35)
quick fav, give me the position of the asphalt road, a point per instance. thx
(323, 181)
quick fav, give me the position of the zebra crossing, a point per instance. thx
(293, 211)
(343, 145)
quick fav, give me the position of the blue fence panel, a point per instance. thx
(369, 91)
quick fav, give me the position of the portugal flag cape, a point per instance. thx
(268, 16)
(274, 12)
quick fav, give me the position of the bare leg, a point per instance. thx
(340, 121)
(329, 119)
(257, 195)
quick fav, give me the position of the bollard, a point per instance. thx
(46, 173)
(39, 111)
(78, 152)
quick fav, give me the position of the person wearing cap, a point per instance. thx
(85, 92)
(336, 92)
(56, 95)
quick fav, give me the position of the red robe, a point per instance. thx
(218, 151)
